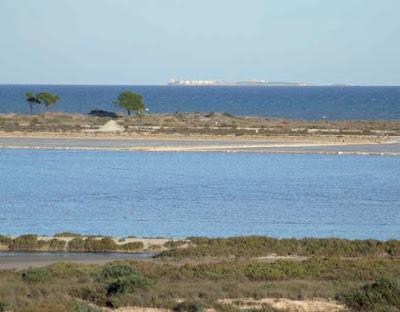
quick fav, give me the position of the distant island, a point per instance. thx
(262, 83)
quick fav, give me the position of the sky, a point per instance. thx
(152, 41)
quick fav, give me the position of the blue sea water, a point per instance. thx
(192, 194)
(287, 102)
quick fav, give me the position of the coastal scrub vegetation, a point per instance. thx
(220, 124)
(65, 242)
(361, 284)
(67, 234)
(201, 247)
(381, 295)
(257, 246)
(199, 272)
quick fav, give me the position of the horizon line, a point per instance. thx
(221, 85)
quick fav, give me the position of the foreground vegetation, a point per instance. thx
(366, 284)
(198, 273)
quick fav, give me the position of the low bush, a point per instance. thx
(6, 241)
(76, 244)
(188, 307)
(36, 275)
(121, 279)
(254, 246)
(25, 242)
(175, 244)
(382, 295)
(67, 234)
(56, 244)
(127, 284)
(132, 246)
(2, 307)
(93, 293)
(66, 270)
(115, 270)
(104, 244)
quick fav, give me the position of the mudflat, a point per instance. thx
(24, 260)
(279, 144)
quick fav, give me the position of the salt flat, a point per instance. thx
(273, 145)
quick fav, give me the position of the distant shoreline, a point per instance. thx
(30, 250)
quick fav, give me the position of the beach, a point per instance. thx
(169, 143)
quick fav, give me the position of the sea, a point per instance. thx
(172, 194)
(309, 103)
(204, 194)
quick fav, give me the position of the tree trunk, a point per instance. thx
(31, 106)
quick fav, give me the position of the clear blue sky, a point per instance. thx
(151, 41)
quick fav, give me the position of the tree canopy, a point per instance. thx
(47, 98)
(131, 102)
(32, 100)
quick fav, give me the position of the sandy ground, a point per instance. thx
(314, 305)
(147, 242)
(288, 305)
(302, 145)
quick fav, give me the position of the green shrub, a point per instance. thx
(4, 240)
(2, 307)
(25, 242)
(114, 302)
(382, 295)
(174, 244)
(76, 244)
(67, 234)
(56, 244)
(254, 246)
(127, 284)
(132, 246)
(114, 271)
(188, 307)
(36, 275)
(94, 293)
(103, 244)
(121, 279)
(65, 270)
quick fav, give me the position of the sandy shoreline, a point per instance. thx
(357, 145)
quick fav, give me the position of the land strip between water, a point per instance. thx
(199, 132)
(203, 274)
(297, 145)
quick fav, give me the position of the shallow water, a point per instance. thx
(73, 255)
(192, 194)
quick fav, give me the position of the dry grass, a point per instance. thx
(198, 124)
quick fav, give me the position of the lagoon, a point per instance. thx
(198, 194)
